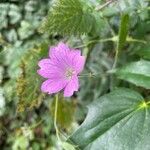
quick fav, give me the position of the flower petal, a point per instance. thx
(60, 55)
(49, 68)
(78, 63)
(53, 86)
(72, 86)
(51, 73)
(44, 62)
(61, 58)
(47, 64)
(60, 49)
(76, 52)
(43, 73)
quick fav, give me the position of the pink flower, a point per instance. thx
(61, 70)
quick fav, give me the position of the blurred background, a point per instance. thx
(26, 114)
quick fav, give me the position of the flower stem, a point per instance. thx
(55, 117)
(95, 41)
(100, 7)
(37, 124)
(92, 75)
(116, 59)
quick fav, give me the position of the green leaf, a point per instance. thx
(68, 146)
(4, 7)
(137, 73)
(24, 143)
(123, 31)
(14, 14)
(116, 121)
(69, 17)
(25, 30)
(144, 52)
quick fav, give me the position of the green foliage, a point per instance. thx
(131, 7)
(117, 120)
(121, 117)
(25, 30)
(24, 143)
(69, 17)
(98, 84)
(66, 112)
(3, 15)
(21, 19)
(137, 73)
(29, 82)
(144, 52)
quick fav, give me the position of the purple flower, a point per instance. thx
(61, 70)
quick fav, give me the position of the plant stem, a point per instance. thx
(92, 75)
(116, 60)
(100, 7)
(109, 25)
(95, 41)
(112, 78)
(55, 117)
(36, 125)
(130, 39)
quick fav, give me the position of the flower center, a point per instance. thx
(69, 73)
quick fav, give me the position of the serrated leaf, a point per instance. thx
(123, 31)
(137, 73)
(116, 121)
(69, 17)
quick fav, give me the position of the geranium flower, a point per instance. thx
(61, 70)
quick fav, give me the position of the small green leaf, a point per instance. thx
(24, 143)
(123, 31)
(137, 73)
(116, 121)
(68, 146)
(69, 17)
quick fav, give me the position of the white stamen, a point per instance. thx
(69, 73)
